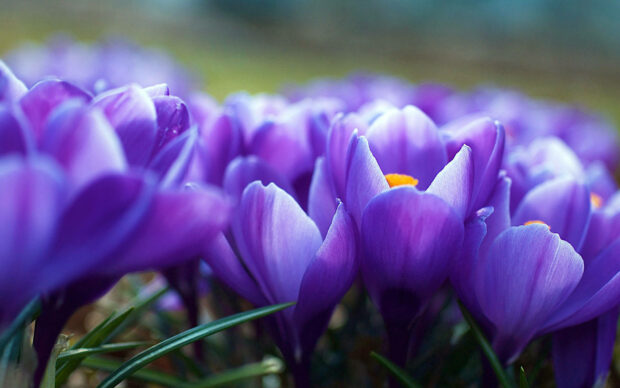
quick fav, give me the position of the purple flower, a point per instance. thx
(100, 66)
(281, 258)
(409, 234)
(90, 193)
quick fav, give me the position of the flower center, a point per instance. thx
(400, 180)
(596, 200)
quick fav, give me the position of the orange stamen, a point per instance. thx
(400, 180)
(596, 200)
(536, 222)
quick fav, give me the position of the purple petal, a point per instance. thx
(582, 354)
(600, 181)
(598, 291)
(83, 142)
(132, 114)
(563, 204)
(11, 88)
(276, 240)
(409, 238)
(172, 163)
(499, 220)
(41, 100)
(454, 183)
(158, 90)
(338, 139)
(486, 139)
(527, 273)
(223, 142)
(364, 178)
(102, 216)
(407, 142)
(30, 202)
(13, 135)
(227, 267)
(244, 170)
(172, 120)
(322, 200)
(178, 226)
(285, 147)
(328, 277)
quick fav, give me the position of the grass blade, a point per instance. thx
(26, 316)
(94, 338)
(523, 379)
(161, 349)
(396, 371)
(145, 374)
(107, 348)
(269, 366)
(500, 373)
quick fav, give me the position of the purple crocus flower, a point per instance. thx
(281, 258)
(93, 202)
(409, 234)
(99, 66)
(525, 281)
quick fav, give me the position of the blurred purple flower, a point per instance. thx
(90, 193)
(100, 66)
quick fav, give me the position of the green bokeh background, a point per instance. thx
(234, 53)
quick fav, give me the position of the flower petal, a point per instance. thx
(454, 183)
(409, 238)
(276, 240)
(132, 114)
(13, 135)
(11, 88)
(227, 267)
(598, 291)
(322, 200)
(30, 203)
(83, 142)
(328, 277)
(563, 204)
(527, 273)
(407, 142)
(178, 226)
(172, 120)
(364, 177)
(582, 354)
(244, 170)
(44, 97)
(338, 139)
(103, 216)
(486, 139)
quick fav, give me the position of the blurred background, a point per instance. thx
(561, 49)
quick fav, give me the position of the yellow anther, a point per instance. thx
(596, 200)
(532, 222)
(400, 180)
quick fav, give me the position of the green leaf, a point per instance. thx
(139, 308)
(502, 377)
(26, 316)
(94, 338)
(108, 348)
(396, 371)
(269, 366)
(523, 379)
(49, 375)
(145, 374)
(185, 338)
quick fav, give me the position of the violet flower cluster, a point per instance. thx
(412, 190)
